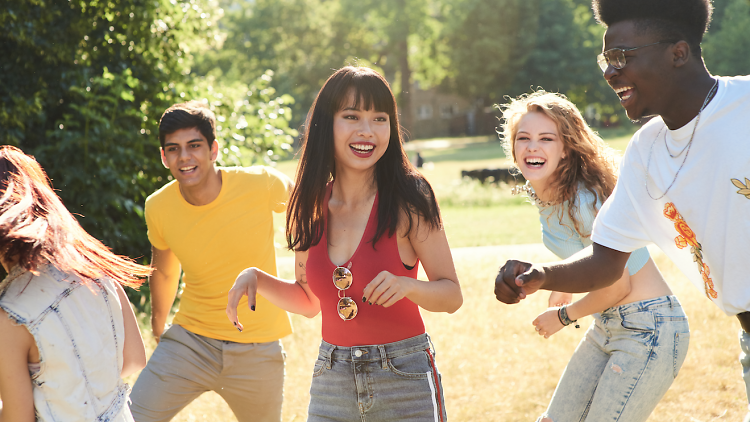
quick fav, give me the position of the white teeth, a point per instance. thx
(625, 88)
(625, 97)
(535, 161)
(187, 168)
(362, 147)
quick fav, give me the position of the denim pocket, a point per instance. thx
(320, 365)
(681, 342)
(414, 365)
(643, 322)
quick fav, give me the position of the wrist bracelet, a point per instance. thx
(562, 314)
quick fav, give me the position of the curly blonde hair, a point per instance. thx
(588, 160)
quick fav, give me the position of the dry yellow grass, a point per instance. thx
(495, 367)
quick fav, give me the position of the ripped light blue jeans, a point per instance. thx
(624, 365)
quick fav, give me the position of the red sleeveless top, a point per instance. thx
(373, 324)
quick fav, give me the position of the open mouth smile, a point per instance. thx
(362, 149)
(624, 93)
(188, 169)
(535, 162)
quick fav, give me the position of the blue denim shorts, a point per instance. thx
(625, 364)
(387, 382)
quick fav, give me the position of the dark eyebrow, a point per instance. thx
(192, 141)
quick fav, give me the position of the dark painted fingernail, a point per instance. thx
(235, 324)
(252, 308)
(370, 303)
(239, 329)
(364, 299)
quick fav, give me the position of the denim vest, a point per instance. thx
(79, 331)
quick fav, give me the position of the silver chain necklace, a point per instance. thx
(531, 194)
(708, 98)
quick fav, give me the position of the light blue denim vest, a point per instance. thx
(79, 331)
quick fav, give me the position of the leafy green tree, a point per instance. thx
(727, 43)
(86, 85)
(301, 41)
(563, 58)
(490, 42)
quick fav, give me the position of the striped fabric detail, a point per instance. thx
(435, 388)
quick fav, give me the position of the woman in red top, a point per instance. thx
(360, 219)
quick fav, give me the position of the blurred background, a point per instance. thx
(83, 84)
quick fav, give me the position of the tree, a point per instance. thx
(86, 84)
(563, 58)
(489, 41)
(726, 44)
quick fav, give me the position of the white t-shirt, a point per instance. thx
(703, 223)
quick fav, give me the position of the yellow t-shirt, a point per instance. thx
(215, 242)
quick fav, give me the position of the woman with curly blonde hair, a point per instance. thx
(633, 350)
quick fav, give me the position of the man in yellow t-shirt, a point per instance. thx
(210, 223)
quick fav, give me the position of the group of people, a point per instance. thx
(360, 219)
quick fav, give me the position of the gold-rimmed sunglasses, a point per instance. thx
(342, 279)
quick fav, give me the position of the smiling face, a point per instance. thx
(538, 149)
(643, 83)
(189, 157)
(360, 136)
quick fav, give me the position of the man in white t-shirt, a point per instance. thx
(685, 177)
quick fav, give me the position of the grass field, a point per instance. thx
(494, 366)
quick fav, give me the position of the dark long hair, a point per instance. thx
(35, 227)
(401, 188)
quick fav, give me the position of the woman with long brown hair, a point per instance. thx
(68, 332)
(639, 338)
(360, 220)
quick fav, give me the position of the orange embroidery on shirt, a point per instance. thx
(744, 188)
(687, 238)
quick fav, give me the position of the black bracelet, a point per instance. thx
(562, 314)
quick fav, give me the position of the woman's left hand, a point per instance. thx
(386, 289)
(548, 323)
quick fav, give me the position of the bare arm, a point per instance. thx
(15, 381)
(163, 284)
(441, 294)
(593, 270)
(548, 322)
(134, 352)
(291, 296)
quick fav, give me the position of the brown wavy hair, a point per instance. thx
(588, 161)
(401, 188)
(36, 228)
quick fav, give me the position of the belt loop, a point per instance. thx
(432, 346)
(671, 301)
(383, 356)
(328, 351)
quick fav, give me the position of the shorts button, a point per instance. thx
(357, 353)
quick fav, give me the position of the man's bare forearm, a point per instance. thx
(591, 269)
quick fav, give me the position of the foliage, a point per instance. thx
(303, 41)
(489, 42)
(563, 56)
(726, 45)
(83, 92)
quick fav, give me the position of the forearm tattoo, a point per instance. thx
(302, 279)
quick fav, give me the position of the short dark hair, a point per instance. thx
(191, 114)
(674, 20)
